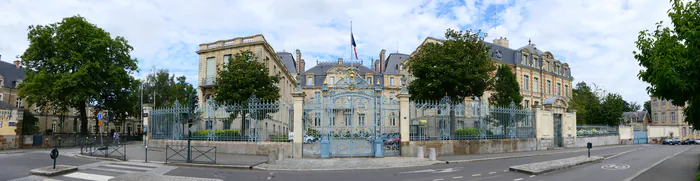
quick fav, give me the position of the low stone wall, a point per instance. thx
(471, 147)
(8, 142)
(657, 140)
(231, 147)
(598, 140)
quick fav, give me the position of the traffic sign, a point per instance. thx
(99, 115)
(99, 123)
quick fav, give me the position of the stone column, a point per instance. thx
(147, 109)
(404, 124)
(298, 97)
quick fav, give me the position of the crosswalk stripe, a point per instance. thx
(126, 167)
(113, 170)
(87, 176)
(48, 179)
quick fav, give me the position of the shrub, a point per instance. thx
(471, 132)
(218, 133)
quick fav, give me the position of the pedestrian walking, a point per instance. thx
(116, 137)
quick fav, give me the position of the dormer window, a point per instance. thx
(524, 62)
(309, 81)
(498, 54)
(400, 67)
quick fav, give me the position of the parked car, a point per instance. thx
(689, 141)
(671, 141)
(676, 141)
(666, 142)
(304, 138)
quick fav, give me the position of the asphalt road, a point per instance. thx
(16, 165)
(622, 168)
(496, 169)
(680, 167)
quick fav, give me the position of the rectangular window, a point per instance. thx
(566, 90)
(673, 117)
(524, 59)
(391, 81)
(527, 104)
(559, 89)
(332, 81)
(309, 81)
(663, 117)
(656, 117)
(536, 84)
(348, 119)
(18, 103)
(403, 82)
(526, 82)
(11, 124)
(534, 62)
(361, 119)
(549, 86)
(227, 58)
(392, 96)
(211, 68)
(369, 80)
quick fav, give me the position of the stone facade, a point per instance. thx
(664, 113)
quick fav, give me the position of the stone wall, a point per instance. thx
(471, 147)
(231, 147)
(8, 142)
(598, 140)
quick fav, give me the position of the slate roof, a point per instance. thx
(5, 105)
(531, 48)
(319, 72)
(638, 114)
(288, 60)
(11, 73)
(392, 62)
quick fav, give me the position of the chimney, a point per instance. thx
(376, 65)
(501, 41)
(381, 60)
(302, 66)
(340, 61)
(16, 63)
(298, 59)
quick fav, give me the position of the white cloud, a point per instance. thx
(594, 37)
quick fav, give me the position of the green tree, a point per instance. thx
(586, 102)
(458, 67)
(29, 122)
(611, 110)
(506, 88)
(671, 59)
(74, 63)
(647, 108)
(242, 78)
(631, 106)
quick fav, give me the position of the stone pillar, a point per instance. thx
(404, 124)
(147, 109)
(298, 97)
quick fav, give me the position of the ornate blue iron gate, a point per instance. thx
(351, 119)
(557, 131)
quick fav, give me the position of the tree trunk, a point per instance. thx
(453, 122)
(83, 118)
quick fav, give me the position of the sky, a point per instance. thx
(595, 37)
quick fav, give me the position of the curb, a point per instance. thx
(67, 169)
(97, 158)
(244, 167)
(337, 169)
(596, 160)
(523, 156)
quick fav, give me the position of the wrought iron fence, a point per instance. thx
(450, 120)
(196, 154)
(253, 121)
(91, 147)
(596, 130)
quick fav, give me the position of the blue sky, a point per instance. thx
(596, 37)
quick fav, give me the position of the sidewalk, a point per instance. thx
(308, 164)
(472, 158)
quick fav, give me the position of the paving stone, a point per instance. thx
(547, 166)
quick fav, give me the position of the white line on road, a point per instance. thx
(492, 172)
(457, 177)
(87, 176)
(437, 179)
(517, 179)
(653, 165)
(476, 175)
(505, 170)
(532, 175)
(126, 167)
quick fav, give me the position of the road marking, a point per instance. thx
(112, 170)
(437, 179)
(517, 179)
(492, 172)
(127, 167)
(457, 177)
(532, 176)
(48, 179)
(87, 176)
(476, 175)
(653, 165)
(505, 170)
(615, 166)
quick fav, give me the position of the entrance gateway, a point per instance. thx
(351, 119)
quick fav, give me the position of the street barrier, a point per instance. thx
(195, 154)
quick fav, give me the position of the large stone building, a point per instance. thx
(664, 113)
(540, 75)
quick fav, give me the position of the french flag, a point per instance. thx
(354, 46)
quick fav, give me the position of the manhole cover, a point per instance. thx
(615, 166)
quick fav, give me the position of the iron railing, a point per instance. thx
(207, 81)
(431, 120)
(596, 130)
(195, 154)
(254, 121)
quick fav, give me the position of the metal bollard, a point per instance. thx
(421, 152)
(432, 156)
(280, 154)
(272, 157)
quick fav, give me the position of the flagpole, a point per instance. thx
(350, 41)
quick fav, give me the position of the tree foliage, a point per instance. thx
(168, 89)
(631, 106)
(458, 67)
(671, 59)
(74, 63)
(241, 78)
(506, 88)
(29, 122)
(595, 106)
(647, 108)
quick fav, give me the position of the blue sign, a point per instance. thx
(99, 115)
